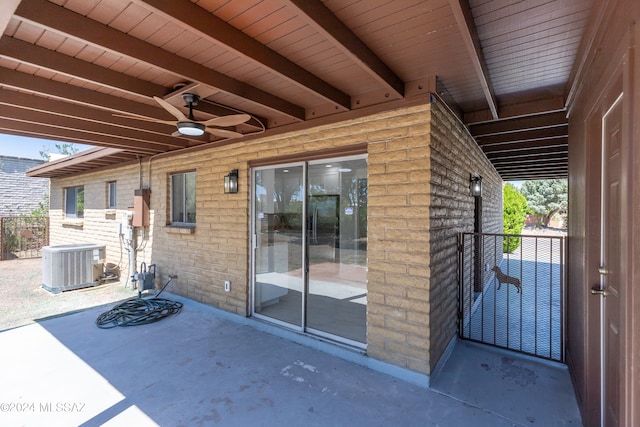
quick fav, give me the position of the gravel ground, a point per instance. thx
(23, 301)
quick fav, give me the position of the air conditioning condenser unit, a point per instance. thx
(74, 266)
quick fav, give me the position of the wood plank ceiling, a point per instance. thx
(504, 66)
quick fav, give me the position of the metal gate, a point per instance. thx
(512, 292)
(23, 236)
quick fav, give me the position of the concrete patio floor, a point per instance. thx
(207, 367)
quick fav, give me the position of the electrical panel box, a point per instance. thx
(141, 201)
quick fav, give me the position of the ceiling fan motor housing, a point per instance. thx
(191, 128)
(188, 125)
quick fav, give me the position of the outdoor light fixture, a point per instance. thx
(190, 128)
(475, 185)
(231, 182)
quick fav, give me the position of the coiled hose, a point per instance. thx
(139, 311)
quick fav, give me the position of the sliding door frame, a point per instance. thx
(305, 261)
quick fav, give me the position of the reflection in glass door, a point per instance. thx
(278, 230)
(310, 247)
(337, 249)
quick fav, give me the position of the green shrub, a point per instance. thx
(515, 214)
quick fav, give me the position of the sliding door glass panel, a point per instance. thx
(278, 266)
(337, 251)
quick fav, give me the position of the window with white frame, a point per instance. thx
(183, 198)
(111, 195)
(74, 202)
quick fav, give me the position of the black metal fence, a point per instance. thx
(23, 236)
(512, 292)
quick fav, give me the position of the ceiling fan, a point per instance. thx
(189, 126)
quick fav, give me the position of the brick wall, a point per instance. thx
(20, 194)
(400, 304)
(453, 156)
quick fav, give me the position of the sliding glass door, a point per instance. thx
(278, 220)
(310, 250)
(337, 248)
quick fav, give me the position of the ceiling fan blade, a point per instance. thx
(173, 110)
(232, 120)
(224, 133)
(147, 119)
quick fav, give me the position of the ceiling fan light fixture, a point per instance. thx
(191, 129)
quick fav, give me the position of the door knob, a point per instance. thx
(597, 291)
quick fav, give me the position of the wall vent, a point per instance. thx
(74, 266)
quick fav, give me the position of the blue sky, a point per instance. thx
(29, 148)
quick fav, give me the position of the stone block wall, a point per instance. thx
(414, 210)
(454, 155)
(100, 224)
(218, 248)
(398, 235)
(20, 194)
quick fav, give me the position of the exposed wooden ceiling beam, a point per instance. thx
(56, 18)
(530, 153)
(254, 124)
(554, 164)
(7, 9)
(324, 21)
(100, 120)
(36, 130)
(31, 132)
(84, 156)
(526, 146)
(515, 147)
(88, 160)
(519, 176)
(516, 138)
(526, 164)
(51, 88)
(535, 161)
(539, 121)
(467, 26)
(215, 29)
(519, 109)
(28, 53)
(533, 175)
(114, 104)
(64, 127)
(531, 171)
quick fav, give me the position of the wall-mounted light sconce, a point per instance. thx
(231, 182)
(475, 185)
